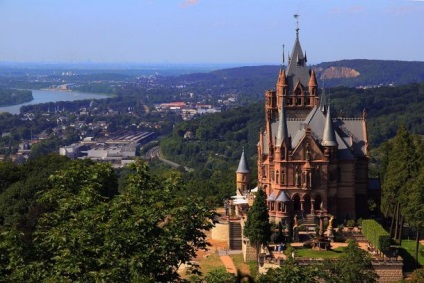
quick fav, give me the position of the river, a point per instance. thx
(44, 96)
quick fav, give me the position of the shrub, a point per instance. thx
(376, 234)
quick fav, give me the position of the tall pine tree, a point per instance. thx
(258, 228)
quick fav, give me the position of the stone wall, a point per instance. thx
(220, 232)
(390, 272)
(249, 252)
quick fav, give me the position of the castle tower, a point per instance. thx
(242, 175)
(308, 162)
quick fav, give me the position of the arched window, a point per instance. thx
(277, 177)
(283, 177)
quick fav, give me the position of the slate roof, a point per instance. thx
(282, 197)
(346, 132)
(243, 167)
(297, 69)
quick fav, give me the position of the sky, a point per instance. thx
(246, 32)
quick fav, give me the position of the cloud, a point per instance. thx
(401, 10)
(348, 10)
(188, 3)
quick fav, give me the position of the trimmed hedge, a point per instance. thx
(376, 235)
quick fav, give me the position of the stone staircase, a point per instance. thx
(235, 236)
(308, 221)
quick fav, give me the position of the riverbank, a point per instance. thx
(11, 97)
(44, 96)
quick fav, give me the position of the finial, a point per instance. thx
(296, 16)
(283, 55)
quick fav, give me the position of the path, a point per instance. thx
(229, 264)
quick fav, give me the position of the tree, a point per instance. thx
(220, 276)
(91, 233)
(258, 228)
(401, 168)
(291, 272)
(354, 266)
(412, 200)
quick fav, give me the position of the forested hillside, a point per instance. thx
(375, 72)
(218, 139)
(14, 96)
(252, 81)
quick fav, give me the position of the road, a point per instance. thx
(154, 153)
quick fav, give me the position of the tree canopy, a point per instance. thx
(258, 228)
(91, 233)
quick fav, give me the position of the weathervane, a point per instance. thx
(296, 16)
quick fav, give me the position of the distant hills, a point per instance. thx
(368, 73)
(349, 73)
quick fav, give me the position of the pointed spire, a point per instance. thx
(323, 99)
(306, 59)
(313, 79)
(329, 136)
(282, 132)
(282, 78)
(243, 168)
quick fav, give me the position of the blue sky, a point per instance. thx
(208, 31)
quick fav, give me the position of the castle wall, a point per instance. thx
(220, 232)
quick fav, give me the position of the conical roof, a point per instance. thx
(282, 132)
(329, 136)
(323, 101)
(282, 78)
(297, 69)
(243, 167)
(313, 79)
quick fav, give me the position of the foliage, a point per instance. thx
(258, 228)
(92, 234)
(290, 272)
(14, 96)
(220, 276)
(417, 276)
(376, 234)
(20, 186)
(354, 266)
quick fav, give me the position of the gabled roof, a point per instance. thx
(349, 133)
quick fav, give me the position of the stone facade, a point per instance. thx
(308, 161)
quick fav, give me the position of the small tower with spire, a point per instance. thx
(329, 137)
(242, 175)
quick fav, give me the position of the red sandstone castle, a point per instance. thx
(309, 162)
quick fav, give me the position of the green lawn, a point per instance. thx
(310, 253)
(248, 269)
(409, 246)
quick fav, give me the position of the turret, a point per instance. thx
(242, 175)
(313, 84)
(281, 87)
(323, 101)
(282, 132)
(329, 136)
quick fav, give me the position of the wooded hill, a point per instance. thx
(218, 139)
(252, 81)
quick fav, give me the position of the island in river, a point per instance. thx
(14, 96)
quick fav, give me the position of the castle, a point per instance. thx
(309, 162)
